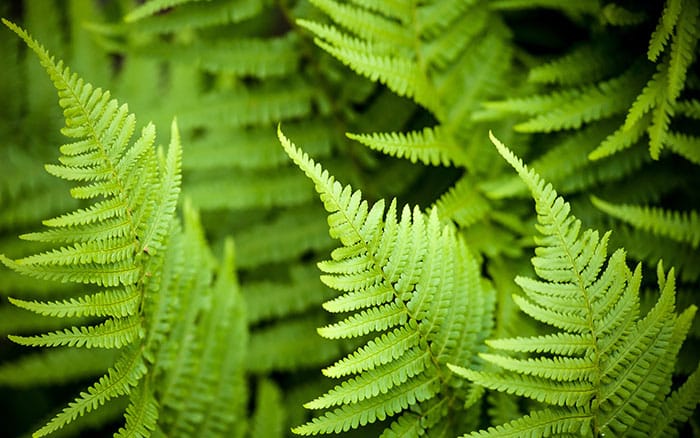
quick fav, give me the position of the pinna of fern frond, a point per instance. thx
(608, 371)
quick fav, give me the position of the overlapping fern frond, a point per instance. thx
(411, 285)
(649, 93)
(115, 242)
(145, 272)
(607, 370)
(440, 54)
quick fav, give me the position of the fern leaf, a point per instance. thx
(541, 423)
(116, 302)
(612, 370)
(682, 48)
(113, 333)
(664, 29)
(368, 25)
(679, 226)
(590, 103)
(430, 146)
(409, 280)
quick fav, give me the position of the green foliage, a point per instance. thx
(396, 97)
(413, 285)
(606, 372)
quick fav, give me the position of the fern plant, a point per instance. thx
(413, 290)
(606, 372)
(127, 243)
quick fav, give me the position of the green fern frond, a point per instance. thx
(680, 226)
(683, 48)
(447, 56)
(118, 241)
(408, 282)
(590, 103)
(664, 28)
(612, 371)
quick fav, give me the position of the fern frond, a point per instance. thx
(113, 333)
(612, 370)
(590, 103)
(680, 226)
(664, 28)
(414, 283)
(683, 48)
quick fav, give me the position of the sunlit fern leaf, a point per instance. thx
(607, 371)
(117, 241)
(114, 302)
(680, 226)
(683, 48)
(429, 146)
(589, 103)
(664, 28)
(413, 285)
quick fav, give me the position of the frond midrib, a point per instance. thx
(561, 235)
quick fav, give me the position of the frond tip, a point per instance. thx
(413, 287)
(609, 370)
